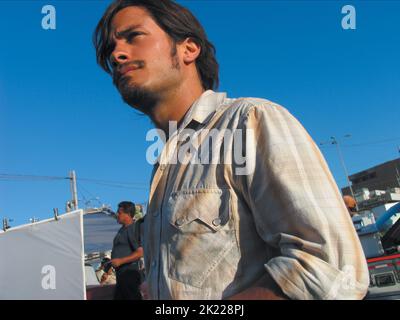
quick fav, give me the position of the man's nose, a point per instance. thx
(120, 54)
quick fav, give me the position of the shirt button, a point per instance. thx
(180, 222)
(216, 222)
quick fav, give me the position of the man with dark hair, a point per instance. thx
(126, 253)
(270, 227)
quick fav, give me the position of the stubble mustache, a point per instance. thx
(117, 72)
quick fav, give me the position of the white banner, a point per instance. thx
(44, 260)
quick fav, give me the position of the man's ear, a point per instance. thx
(191, 50)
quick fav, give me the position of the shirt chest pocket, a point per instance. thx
(202, 237)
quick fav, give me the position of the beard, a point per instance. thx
(137, 97)
(143, 99)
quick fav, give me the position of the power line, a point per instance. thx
(112, 182)
(91, 198)
(372, 142)
(85, 190)
(364, 144)
(121, 186)
(116, 184)
(22, 177)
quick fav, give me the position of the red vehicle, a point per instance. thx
(384, 268)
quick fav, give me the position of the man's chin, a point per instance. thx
(126, 83)
(138, 97)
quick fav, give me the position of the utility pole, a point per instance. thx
(74, 191)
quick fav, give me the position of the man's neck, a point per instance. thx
(127, 224)
(174, 105)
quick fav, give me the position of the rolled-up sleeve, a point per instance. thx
(298, 209)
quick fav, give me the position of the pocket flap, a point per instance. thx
(210, 206)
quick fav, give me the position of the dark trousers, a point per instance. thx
(128, 285)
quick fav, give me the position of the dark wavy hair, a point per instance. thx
(128, 207)
(178, 22)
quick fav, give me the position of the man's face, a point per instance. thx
(144, 68)
(122, 216)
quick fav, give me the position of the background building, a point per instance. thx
(381, 177)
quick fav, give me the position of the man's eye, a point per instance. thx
(131, 36)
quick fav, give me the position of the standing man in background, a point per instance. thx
(126, 254)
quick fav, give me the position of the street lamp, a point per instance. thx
(335, 142)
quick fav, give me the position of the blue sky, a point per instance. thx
(59, 110)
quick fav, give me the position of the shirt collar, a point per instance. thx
(202, 109)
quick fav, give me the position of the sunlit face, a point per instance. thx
(143, 65)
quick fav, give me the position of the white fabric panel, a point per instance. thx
(44, 260)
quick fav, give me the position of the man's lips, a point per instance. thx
(127, 69)
(121, 71)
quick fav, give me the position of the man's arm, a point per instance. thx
(136, 255)
(264, 289)
(297, 209)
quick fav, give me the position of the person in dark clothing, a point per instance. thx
(126, 254)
